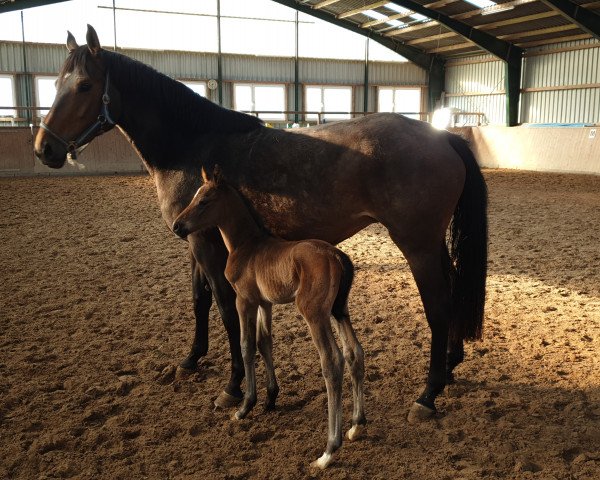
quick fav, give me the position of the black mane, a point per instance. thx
(181, 105)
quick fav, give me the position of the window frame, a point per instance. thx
(13, 88)
(396, 88)
(323, 116)
(193, 81)
(39, 112)
(268, 117)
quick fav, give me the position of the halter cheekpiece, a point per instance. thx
(103, 123)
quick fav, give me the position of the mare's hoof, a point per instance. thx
(419, 413)
(355, 432)
(226, 400)
(183, 373)
(322, 462)
(190, 364)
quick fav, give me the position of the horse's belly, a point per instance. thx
(275, 292)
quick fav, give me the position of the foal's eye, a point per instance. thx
(84, 87)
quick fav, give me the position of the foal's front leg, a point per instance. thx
(264, 341)
(247, 313)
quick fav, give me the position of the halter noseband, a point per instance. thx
(103, 123)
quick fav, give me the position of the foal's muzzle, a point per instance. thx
(180, 230)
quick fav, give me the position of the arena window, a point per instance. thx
(45, 91)
(399, 100)
(261, 98)
(325, 99)
(7, 96)
(198, 87)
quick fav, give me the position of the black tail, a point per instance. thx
(339, 309)
(468, 247)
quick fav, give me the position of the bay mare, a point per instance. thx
(326, 182)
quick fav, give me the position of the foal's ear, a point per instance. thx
(71, 42)
(92, 40)
(204, 176)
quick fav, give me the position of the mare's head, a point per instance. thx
(81, 106)
(206, 208)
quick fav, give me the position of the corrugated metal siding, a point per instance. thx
(493, 106)
(403, 73)
(561, 106)
(338, 72)
(486, 80)
(258, 69)
(567, 68)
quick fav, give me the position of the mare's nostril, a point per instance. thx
(176, 228)
(47, 150)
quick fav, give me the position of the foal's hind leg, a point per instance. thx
(354, 356)
(264, 341)
(332, 367)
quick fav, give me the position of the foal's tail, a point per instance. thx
(468, 248)
(340, 305)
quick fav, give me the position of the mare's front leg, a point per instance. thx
(202, 297)
(210, 253)
(247, 313)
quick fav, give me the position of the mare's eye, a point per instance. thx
(84, 87)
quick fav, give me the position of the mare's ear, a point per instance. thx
(218, 175)
(71, 42)
(204, 176)
(92, 40)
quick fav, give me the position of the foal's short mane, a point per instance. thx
(184, 108)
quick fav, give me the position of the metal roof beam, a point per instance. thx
(23, 4)
(499, 48)
(585, 19)
(418, 57)
(356, 11)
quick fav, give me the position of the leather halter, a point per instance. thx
(103, 123)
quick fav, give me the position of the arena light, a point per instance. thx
(441, 118)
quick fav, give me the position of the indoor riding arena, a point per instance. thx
(97, 310)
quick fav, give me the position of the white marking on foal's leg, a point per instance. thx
(355, 432)
(323, 461)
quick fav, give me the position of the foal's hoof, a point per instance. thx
(419, 413)
(322, 462)
(355, 432)
(226, 400)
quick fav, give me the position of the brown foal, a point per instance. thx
(265, 270)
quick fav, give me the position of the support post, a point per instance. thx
(437, 77)
(219, 56)
(366, 87)
(512, 79)
(296, 74)
(26, 77)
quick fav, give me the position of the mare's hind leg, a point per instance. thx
(247, 313)
(456, 353)
(434, 286)
(202, 297)
(354, 356)
(332, 368)
(264, 341)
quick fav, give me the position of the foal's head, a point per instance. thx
(207, 207)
